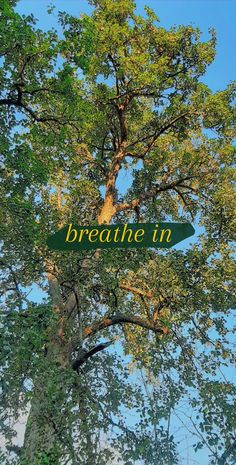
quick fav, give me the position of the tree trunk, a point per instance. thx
(44, 427)
(40, 442)
(108, 210)
(43, 430)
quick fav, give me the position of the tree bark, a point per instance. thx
(42, 436)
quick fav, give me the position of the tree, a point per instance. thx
(118, 93)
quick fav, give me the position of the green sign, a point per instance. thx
(158, 235)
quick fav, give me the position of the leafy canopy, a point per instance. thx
(116, 94)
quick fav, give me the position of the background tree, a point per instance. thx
(118, 92)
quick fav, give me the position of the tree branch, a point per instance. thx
(230, 450)
(153, 193)
(118, 319)
(135, 290)
(18, 102)
(158, 133)
(85, 355)
(186, 204)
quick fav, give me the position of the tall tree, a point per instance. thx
(117, 93)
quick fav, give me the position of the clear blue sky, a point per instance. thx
(220, 14)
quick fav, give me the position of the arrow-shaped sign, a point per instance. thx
(135, 235)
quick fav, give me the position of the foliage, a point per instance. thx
(78, 112)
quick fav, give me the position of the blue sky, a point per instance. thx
(220, 14)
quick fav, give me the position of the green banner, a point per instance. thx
(136, 235)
